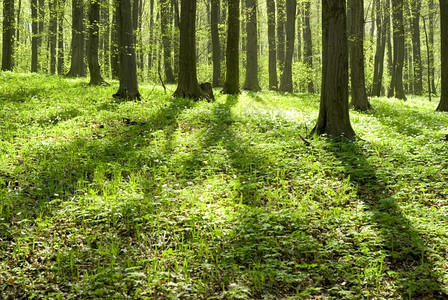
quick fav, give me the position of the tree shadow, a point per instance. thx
(405, 257)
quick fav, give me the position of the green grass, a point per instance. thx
(169, 198)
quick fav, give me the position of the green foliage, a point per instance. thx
(169, 198)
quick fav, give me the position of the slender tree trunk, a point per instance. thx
(390, 55)
(8, 35)
(443, 105)
(105, 39)
(381, 27)
(281, 20)
(286, 84)
(216, 45)
(273, 83)
(188, 86)
(431, 42)
(175, 38)
(77, 68)
(398, 37)
(92, 45)
(128, 88)
(358, 82)
(41, 8)
(34, 36)
(19, 10)
(61, 5)
(416, 47)
(151, 35)
(114, 51)
(231, 86)
(308, 44)
(334, 119)
(52, 30)
(166, 40)
(252, 47)
(298, 55)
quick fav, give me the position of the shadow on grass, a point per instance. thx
(405, 258)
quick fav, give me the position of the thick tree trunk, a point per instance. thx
(188, 86)
(92, 45)
(52, 34)
(381, 26)
(61, 4)
(443, 105)
(231, 85)
(34, 36)
(281, 20)
(286, 84)
(166, 40)
(251, 82)
(358, 83)
(128, 88)
(308, 43)
(416, 47)
(273, 83)
(334, 119)
(8, 35)
(216, 45)
(398, 39)
(77, 68)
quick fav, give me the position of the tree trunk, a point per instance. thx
(357, 74)
(114, 51)
(231, 85)
(166, 40)
(308, 44)
(443, 105)
(61, 5)
(431, 42)
(8, 35)
(334, 119)
(381, 26)
(175, 9)
(19, 10)
(298, 55)
(34, 36)
(286, 84)
(273, 83)
(77, 68)
(92, 44)
(151, 35)
(390, 55)
(216, 47)
(252, 47)
(281, 19)
(52, 34)
(398, 39)
(128, 88)
(105, 39)
(188, 86)
(41, 8)
(416, 47)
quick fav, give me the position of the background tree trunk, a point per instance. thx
(166, 40)
(34, 36)
(286, 84)
(308, 43)
(334, 119)
(60, 14)
(443, 105)
(105, 37)
(356, 42)
(115, 53)
(8, 35)
(77, 68)
(216, 47)
(151, 36)
(381, 26)
(92, 44)
(281, 19)
(431, 26)
(273, 83)
(52, 34)
(231, 85)
(398, 39)
(416, 47)
(251, 82)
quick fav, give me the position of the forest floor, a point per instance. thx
(168, 198)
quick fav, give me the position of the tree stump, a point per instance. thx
(207, 88)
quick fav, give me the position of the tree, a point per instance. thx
(251, 82)
(128, 88)
(61, 4)
(308, 42)
(34, 36)
(188, 86)
(8, 35)
(273, 83)
(443, 105)
(286, 84)
(166, 39)
(416, 46)
(281, 18)
(231, 86)
(216, 47)
(77, 68)
(92, 45)
(334, 119)
(398, 49)
(382, 22)
(358, 82)
(52, 32)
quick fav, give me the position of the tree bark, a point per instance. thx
(188, 86)
(8, 35)
(273, 83)
(431, 42)
(52, 34)
(443, 105)
(298, 54)
(281, 20)
(34, 36)
(334, 120)
(398, 40)
(92, 45)
(416, 47)
(166, 40)
(216, 47)
(105, 38)
(286, 84)
(358, 83)
(61, 4)
(381, 26)
(231, 85)
(151, 35)
(19, 10)
(114, 51)
(128, 88)
(251, 82)
(390, 55)
(77, 68)
(308, 43)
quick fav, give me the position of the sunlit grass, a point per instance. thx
(171, 198)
